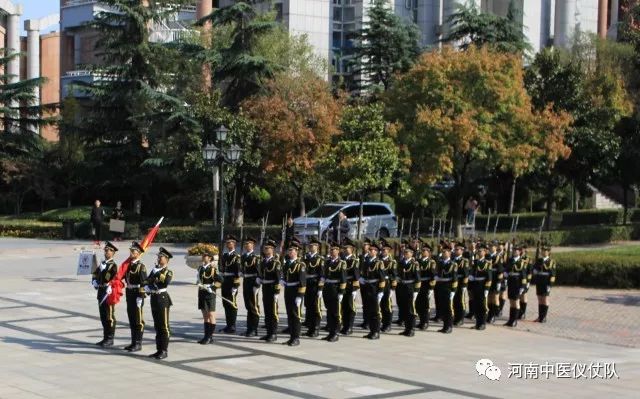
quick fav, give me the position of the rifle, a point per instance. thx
(540, 237)
(241, 231)
(433, 227)
(284, 232)
(263, 228)
(410, 225)
(439, 228)
(451, 228)
(495, 227)
(418, 228)
(486, 228)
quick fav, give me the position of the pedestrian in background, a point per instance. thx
(97, 215)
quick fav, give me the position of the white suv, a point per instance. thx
(378, 220)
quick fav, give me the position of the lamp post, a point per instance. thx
(216, 155)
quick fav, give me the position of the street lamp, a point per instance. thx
(216, 155)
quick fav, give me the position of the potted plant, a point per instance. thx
(194, 254)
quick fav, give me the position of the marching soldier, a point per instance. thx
(391, 272)
(250, 271)
(427, 273)
(270, 271)
(313, 295)
(363, 260)
(446, 285)
(523, 298)
(402, 316)
(209, 280)
(372, 283)
(333, 291)
(102, 276)
(480, 278)
(470, 254)
(503, 257)
(294, 281)
(516, 272)
(230, 267)
(544, 273)
(408, 287)
(348, 307)
(462, 275)
(497, 272)
(135, 278)
(441, 247)
(157, 283)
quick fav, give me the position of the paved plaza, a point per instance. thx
(49, 323)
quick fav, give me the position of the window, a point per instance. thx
(375, 210)
(324, 211)
(337, 14)
(352, 211)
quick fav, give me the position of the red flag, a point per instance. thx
(116, 284)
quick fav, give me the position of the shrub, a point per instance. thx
(202, 248)
(76, 214)
(30, 229)
(595, 269)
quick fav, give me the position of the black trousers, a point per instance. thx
(107, 316)
(444, 305)
(97, 227)
(373, 315)
(270, 308)
(230, 312)
(406, 305)
(330, 296)
(348, 307)
(480, 303)
(294, 312)
(135, 314)
(312, 306)
(251, 303)
(422, 302)
(160, 304)
(459, 304)
(385, 306)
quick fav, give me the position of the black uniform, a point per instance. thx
(158, 281)
(480, 279)
(312, 304)
(209, 280)
(544, 276)
(250, 272)
(470, 255)
(391, 275)
(497, 274)
(334, 287)
(427, 274)
(459, 300)
(101, 278)
(373, 276)
(270, 274)
(136, 279)
(230, 270)
(408, 284)
(446, 283)
(295, 281)
(348, 301)
(516, 272)
(529, 273)
(363, 259)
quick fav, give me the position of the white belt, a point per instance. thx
(543, 273)
(268, 281)
(331, 281)
(372, 281)
(133, 286)
(477, 278)
(515, 274)
(408, 281)
(442, 279)
(160, 291)
(228, 274)
(250, 275)
(472, 278)
(292, 284)
(425, 278)
(312, 275)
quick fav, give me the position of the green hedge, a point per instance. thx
(595, 269)
(75, 214)
(31, 229)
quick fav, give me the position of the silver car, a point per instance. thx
(378, 220)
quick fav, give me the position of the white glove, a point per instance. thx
(362, 280)
(298, 301)
(319, 293)
(109, 290)
(380, 297)
(340, 296)
(95, 284)
(451, 295)
(498, 286)
(486, 293)
(275, 297)
(354, 294)
(464, 290)
(429, 294)
(258, 280)
(520, 291)
(209, 290)
(283, 283)
(255, 290)
(139, 302)
(548, 289)
(415, 295)
(234, 291)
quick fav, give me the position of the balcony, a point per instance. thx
(78, 76)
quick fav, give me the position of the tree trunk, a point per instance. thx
(512, 196)
(550, 191)
(574, 196)
(625, 193)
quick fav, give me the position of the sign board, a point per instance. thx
(117, 226)
(87, 262)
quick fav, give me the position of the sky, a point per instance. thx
(38, 9)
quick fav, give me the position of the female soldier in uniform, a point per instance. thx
(209, 280)
(544, 273)
(516, 272)
(480, 279)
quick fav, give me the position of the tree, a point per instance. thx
(627, 163)
(384, 46)
(365, 157)
(470, 26)
(69, 151)
(464, 113)
(296, 116)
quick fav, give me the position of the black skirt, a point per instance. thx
(206, 301)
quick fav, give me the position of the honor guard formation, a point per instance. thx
(468, 280)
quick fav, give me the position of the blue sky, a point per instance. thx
(38, 9)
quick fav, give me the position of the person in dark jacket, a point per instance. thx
(97, 214)
(341, 228)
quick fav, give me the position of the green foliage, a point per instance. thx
(384, 46)
(75, 214)
(616, 268)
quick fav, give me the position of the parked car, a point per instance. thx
(378, 220)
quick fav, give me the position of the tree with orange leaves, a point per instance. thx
(296, 115)
(462, 114)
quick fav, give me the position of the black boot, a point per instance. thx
(500, 307)
(523, 310)
(491, 314)
(543, 313)
(513, 318)
(212, 330)
(207, 334)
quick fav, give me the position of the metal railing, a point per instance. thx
(71, 3)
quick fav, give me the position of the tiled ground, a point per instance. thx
(48, 324)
